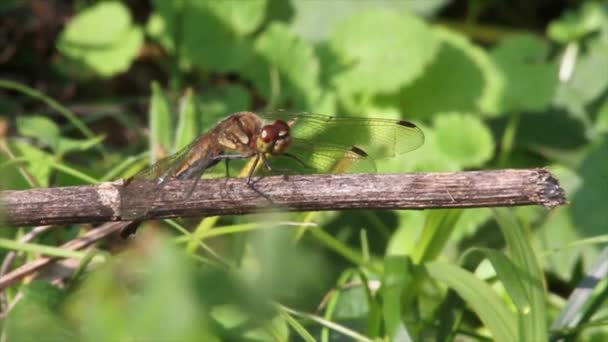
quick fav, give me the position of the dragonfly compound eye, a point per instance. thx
(266, 139)
(283, 139)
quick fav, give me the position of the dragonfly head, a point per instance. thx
(274, 138)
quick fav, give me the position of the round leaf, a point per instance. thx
(292, 60)
(530, 80)
(102, 38)
(461, 77)
(102, 24)
(464, 139)
(381, 58)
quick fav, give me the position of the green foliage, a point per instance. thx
(530, 80)
(378, 57)
(464, 139)
(102, 38)
(486, 95)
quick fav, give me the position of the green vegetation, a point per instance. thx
(493, 84)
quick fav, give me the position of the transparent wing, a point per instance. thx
(164, 167)
(311, 157)
(161, 172)
(379, 138)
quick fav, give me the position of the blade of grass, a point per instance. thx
(297, 327)
(331, 325)
(69, 115)
(438, 228)
(160, 123)
(532, 323)
(488, 306)
(187, 123)
(42, 249)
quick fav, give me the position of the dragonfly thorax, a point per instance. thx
(274, 138)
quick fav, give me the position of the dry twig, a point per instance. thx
(102, 203)
(311, 192)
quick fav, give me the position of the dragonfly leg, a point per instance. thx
(227, 168)
(253, 167)
(192, 188)
(266, 162)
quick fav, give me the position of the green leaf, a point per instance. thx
(315, 20)
(279, 10)
(233, 317)
(601, 123)
(438, 228)
(564, 262)
(403, 241)
(395, 279)
(102, 37)
(490, 309)
(217, 103)
(509, 275)
(161, 127)
(131, 306)
(588, 210)
(470, 220)
(33, 317)
(461, 77)
(41, 128)
(214, 32)
(574, 25)
(243, 17)
(40, 163)
(287, 68)
(381, 58)
(586, 84)
(530, 79)
(533, 322)
(187, 124)
(67, 145)
(464, 139)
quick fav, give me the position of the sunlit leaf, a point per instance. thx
(460, 77)
(532, 320)
(586, 84)
(187, 121)
(381, 58)
(212, 32)
(39, 127)
(287, 69)
(488, 306)
(67, 145)
(220, 102)
(102, 37)
(530, 78)
(39, 163)
(464, 139)
(161, 123)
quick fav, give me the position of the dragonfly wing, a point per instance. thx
(380, 138)
(309, 157)
(131, 200)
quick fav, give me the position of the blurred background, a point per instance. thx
(93, 91)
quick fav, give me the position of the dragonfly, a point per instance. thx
(305, 142)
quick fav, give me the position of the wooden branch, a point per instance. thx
(101, 203)
(232, 196)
